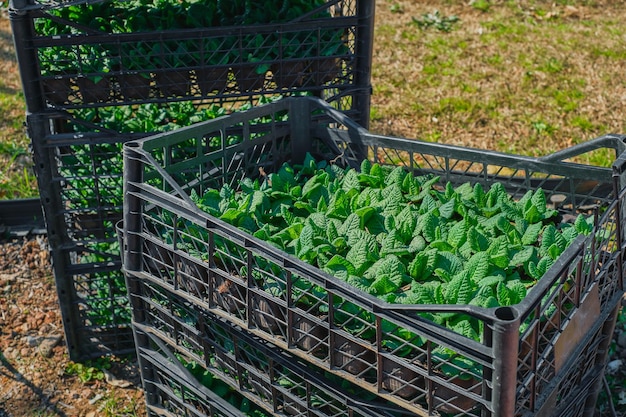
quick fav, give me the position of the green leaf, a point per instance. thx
(479, 194)
(365, 213)
(478, 266)
(339, 205)
(331, 230)
(449, 261)
(503, 294)
(522, 256)
(396, 176)
(531, 234)
(539, 201)
(441, 245)
(383, 284)
(410, 185)
(478, 242)
(248, 186)
(457, 234)
(361, 256)
(517, 291)
(296, 192)
(485, 301)
(583, 225)
(554, 251)
(366, 166)
(548, 238)
(491, 281)
(319, 222)
(231, 215)
(359, 282)
(390, 243)
(247, 223)
(499, 252)
(532, 214)
(378, 175)
(423, 265)
(393, 199)
(352, 222)
(209, 202)
(428, 225)
(306, 240)
(406, 221)
(351, 181)
(569, 233)
(389, 265)
(464, 328)
(446, 210)
(428, 205)
(417, 244)
(459, 290)
(339, 267)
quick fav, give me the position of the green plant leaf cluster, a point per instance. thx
(90, 371)
(400, 237)
(224, 391)
(145, 118)
(137, 16)
(436, 20)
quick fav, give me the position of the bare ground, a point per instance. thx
(36, 376)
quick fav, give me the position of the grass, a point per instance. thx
(17, 179)
(526, 77)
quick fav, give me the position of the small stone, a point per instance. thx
(621, 340)
(613, 366)
(47, 344)
(112, 380)
(24, 352)
(95, 399)
(32, 341)
(10, 352)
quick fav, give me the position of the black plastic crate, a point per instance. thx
(175, 337)
(82, 200)
(66, 63)
(74, 76)
(526, 352)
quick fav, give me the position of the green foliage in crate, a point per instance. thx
(158, 15)
(401, 238)
(225, 391)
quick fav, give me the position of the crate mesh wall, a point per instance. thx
(178, 337)
(76, 118)
(192, 254)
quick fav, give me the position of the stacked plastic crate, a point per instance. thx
(97, 74)
(211, 297)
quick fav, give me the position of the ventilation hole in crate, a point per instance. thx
(505, 313)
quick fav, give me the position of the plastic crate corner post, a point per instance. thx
(505, 350)
(300, 127)
(132, 207)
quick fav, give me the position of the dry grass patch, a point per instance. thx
(524, 77)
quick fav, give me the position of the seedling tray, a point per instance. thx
(531, 357)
